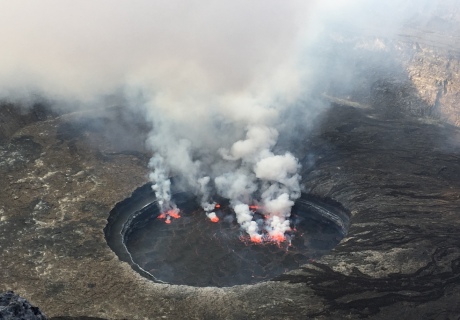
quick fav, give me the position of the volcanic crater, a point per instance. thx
(190, 249)
(389, 152)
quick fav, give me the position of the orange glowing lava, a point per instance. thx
(277, 237)
(215, 219)
(217, 206)
(173, 213)
(254, 207)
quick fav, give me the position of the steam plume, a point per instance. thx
(214, 79)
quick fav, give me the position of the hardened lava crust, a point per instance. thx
(195, 251)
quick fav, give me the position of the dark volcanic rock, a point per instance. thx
(402, 249)
(13, 307)
(13, 118)
(16, 154)
(76, 318)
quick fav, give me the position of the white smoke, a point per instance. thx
(162, 186)
(213, 78)
(274, 177)
(259, 140)
(244, 218)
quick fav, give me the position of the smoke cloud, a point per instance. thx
(216, 79)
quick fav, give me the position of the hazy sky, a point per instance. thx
(84, 47)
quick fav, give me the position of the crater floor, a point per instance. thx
(192, 250)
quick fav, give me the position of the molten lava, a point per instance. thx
(277, 237)
(213, 217)
(262, 236)
(256, 238)
(173, 213)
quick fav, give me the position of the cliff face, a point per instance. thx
(413, 70)
(434, 72)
